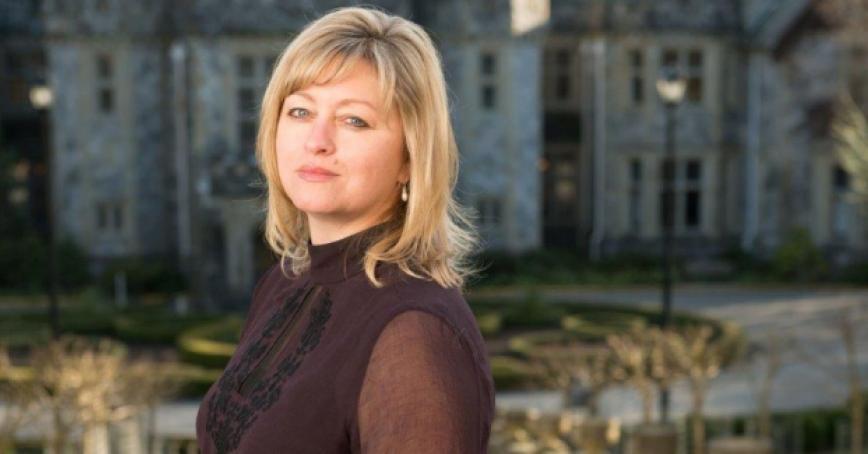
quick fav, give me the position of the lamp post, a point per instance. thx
(670, 87)
(41, 97)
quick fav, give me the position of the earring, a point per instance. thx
(404, 195)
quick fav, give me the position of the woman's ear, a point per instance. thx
(404, 174)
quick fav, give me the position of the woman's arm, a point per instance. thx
(421, 392)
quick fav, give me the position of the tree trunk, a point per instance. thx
(697, 422)
(857, 418)
(594, 435)
(95, 439)
(647, 403)
(654, 439)
(60, 434)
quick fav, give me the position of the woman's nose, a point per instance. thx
(320, 139)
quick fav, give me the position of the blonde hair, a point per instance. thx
(429, 237)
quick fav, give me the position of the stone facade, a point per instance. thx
(754, 154)
(155, 116)
(560, 129)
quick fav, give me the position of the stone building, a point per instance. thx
(754, 154)
(557, 119)
(155, 117)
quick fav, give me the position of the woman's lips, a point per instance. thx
(315, 174)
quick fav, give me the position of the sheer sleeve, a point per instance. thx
(421, 391)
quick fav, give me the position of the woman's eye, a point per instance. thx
(357, 122)
(298, 112)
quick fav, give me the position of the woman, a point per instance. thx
(359, 339)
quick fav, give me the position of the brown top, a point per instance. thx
(327, 363)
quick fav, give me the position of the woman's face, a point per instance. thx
(340, 158)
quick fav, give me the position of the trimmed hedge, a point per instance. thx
(211, 345)
(156, 328)
(510, 373)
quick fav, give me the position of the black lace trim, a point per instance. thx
(227, 420)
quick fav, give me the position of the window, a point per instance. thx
(102, 215)
(246, 101)
(489, 208)
(245, 67)
(692, 193)
(488, 78)
(118, 216)
(565, 186)
(689, 64)
(683, 205)
(559, 126)
(252, 73)
(269, 63)
(110, 215)
(488, 96)
(488, 64)
(563, 59)
(637, 81)
(106, 100)
(669, 59)
(105, 83)
(559, 86)
(635, 214)
(840, 206)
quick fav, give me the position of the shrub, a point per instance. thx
(24, 264)
(532, 312)
(798, 258)
(144, 276)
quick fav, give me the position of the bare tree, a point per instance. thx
(770, 361)
(847, 324)
(849, 335)
(850, 130)
(90, 385)
(19, 402)
(639, 362)
(699, 357)
(563, 366)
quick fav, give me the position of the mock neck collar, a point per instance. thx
(341, 259)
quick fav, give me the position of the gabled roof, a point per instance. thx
(770, 28)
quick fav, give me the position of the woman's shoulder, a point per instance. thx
(408, 290)
(420, 294)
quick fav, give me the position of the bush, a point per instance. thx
(798, 258)
(144, 276)
(546, 266)
(24, 264)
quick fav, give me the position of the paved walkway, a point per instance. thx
(813, 370)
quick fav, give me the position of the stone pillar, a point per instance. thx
(239, 217)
